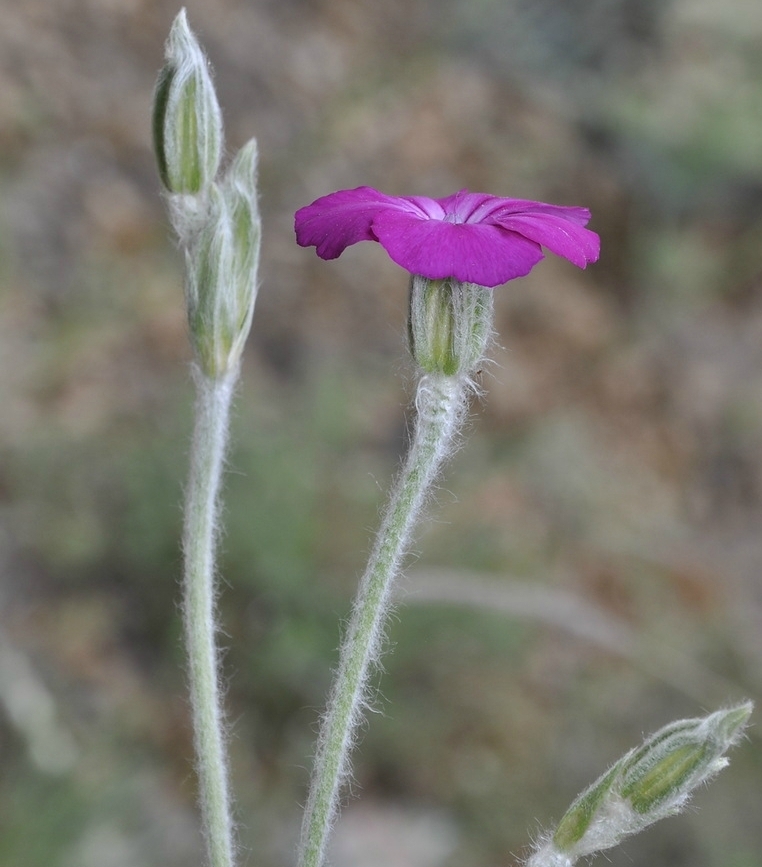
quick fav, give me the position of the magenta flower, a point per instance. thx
(471, 237)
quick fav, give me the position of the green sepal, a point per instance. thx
(222, 265)
(187, 122)
(573, 826)
(449, 325)
(667, 779)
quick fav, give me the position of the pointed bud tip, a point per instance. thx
(242, 172)
(729, 724)
(250, 150)
(180, 32)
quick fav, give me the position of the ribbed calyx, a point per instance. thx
(649, 783)
(222, 263)
(449, 325)
(187, 122)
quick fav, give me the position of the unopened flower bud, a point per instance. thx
(660, 776)
(649, 783)
(206, 261)
(240, 192)
(449, 325)
(222, 268)
(187, 122)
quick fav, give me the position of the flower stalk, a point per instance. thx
(439, 403)
(449, 326)
(199, 543)
(216, 219)
(456, 250)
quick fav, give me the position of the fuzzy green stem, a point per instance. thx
(440, 400)
(199, 544)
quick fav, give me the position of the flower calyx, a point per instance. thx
(449, 325)
(223, 259)
(187, 121)
(649, 783)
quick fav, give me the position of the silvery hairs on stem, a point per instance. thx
(216, 218)
(449, 325)
(651, 782)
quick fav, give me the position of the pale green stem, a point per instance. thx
(199, 544)
(439, 402)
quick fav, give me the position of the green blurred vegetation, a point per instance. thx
(612, 467)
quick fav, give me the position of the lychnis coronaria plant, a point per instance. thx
(457, 250)
(215, 215)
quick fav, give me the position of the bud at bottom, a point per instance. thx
(649, 783)
(449, 325)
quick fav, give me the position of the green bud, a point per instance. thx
(187, 122)
(449, 325)
(651, 782)
(240, 192)
(207, 261)
(577, 819)
(222, 267)
(662, 774)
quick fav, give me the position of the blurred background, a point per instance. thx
(592, 569)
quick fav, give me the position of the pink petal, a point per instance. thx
(493, 208)
(464, 205)
(423, 206)
(560, 233)
(472, 237)
(334, 222)
(474, 253)
(557, 227)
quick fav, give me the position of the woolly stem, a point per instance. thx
(547, 856)
(199, 543)
(439, 401)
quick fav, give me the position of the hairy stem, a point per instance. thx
(199, 544)
(439, 402)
